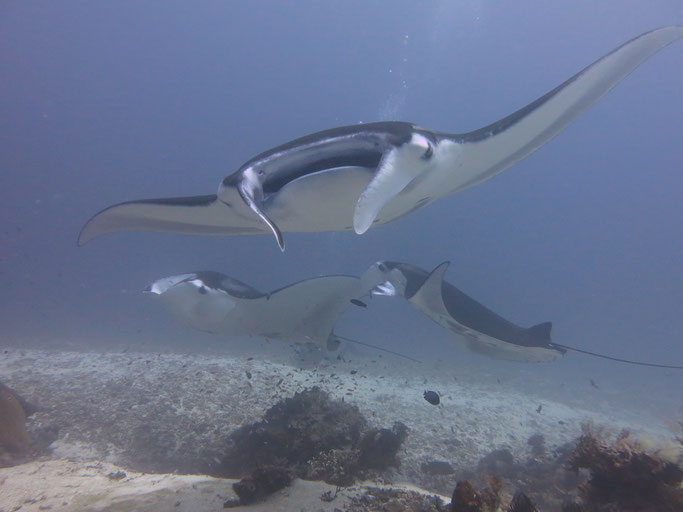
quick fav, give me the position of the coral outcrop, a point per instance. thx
(624, 477)
(311, 436)
(15, 441)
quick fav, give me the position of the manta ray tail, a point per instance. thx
(618, 359)
(335, 343)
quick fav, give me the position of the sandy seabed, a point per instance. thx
(168, 413)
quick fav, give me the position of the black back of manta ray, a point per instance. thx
(473, 314)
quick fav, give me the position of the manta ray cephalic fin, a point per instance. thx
(398, 168)
(251, 192)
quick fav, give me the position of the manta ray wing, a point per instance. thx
(490, 150)
(216, 303)
(308, 310)
(196, 215)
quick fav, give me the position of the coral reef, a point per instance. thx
(521, 503)
(259, 484)
(15, 442)
(336, 467)
(624, 477)
(467, 499)
(13, 434)
(379, 448)
(312, 437)
(542, 474)
(396, 500)
(292, 432)
(537, 445)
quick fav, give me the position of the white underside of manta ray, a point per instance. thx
(304, 312)
(354, 177)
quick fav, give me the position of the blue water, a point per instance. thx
(110, 101)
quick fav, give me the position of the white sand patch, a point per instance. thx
(71, 486)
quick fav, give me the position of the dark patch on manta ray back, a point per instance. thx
(218, 281)
(368, 159)
(361, 145)
(178, 201)
(396, 133)
(474, 315)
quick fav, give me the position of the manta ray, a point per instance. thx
(480, 329)
(355, 177)
(476, 326)
(305, 311)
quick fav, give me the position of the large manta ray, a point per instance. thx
(305, 311)
(480, 329)
(358, 176)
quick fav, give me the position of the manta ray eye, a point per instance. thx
(202, 290)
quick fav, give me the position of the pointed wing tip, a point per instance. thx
(84, 236)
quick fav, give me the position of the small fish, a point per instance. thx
(594, 384)
(432, 397)
(359, 303)
(539, 409)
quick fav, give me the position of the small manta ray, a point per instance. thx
(481, 329)
(354, 177)
(305, 311)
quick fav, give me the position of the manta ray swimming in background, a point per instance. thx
(480, 329)
(305, 311)
(355, 177)
(476, 326)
